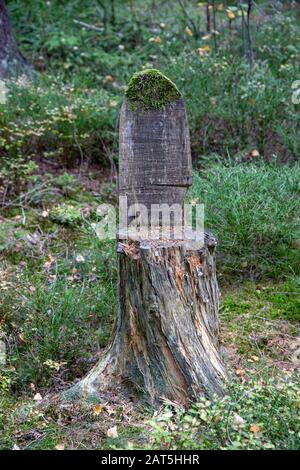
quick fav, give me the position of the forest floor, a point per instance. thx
(58, 292)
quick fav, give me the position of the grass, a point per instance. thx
(247, 208)
(56, 305)
(277, 301)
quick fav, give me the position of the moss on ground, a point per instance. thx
(150, 89)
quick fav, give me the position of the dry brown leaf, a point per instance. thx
(98, 409)
(188, 31)
(255, 428)
(255, 358)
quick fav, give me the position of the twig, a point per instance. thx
(113, 168)
(79, 148)
(4, 194)
(23, 216)
(88, 26)
(192, 23)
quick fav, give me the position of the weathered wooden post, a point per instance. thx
(166, 337)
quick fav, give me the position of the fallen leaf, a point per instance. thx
(21, 338)
(47, 265)
(240, 372)
(37, 397)
(188, 31)
(204, 50)
(112, 432)
(157, 40)
(255, 358)
(255, 428)
(255, 153)
(230, 14)
(98, 409)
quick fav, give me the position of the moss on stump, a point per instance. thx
(150, 89)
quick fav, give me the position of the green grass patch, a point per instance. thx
(281, 300)
(60, 314)
(254, 212)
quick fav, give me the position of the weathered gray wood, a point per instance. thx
(154, 154)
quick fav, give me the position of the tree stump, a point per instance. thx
(166, 336)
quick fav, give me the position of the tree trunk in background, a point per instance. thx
(12, 62)
(208, 16)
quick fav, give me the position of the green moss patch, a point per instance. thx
(150, 89)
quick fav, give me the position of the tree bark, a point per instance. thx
(12, 62)
(155, 163)
(166, 337)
